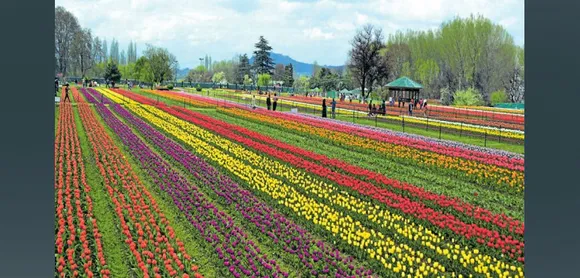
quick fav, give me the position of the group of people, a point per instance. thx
(332, 108)
(271, 104)
(374, 110)
(422, 103)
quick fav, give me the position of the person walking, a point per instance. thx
(333, 108)
(324, 108)
(66, 91)
(253, 101)
(268, 101)
(275, 102)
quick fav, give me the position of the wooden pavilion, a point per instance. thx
(404, 89)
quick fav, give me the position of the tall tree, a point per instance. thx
(289, 76)
(315, 69)
(162, 63)
(112, 73)
(66, 27)
(244, 68)
(364, 57)
(123, 58)
(114, 52)
(97, 50)
(82, 51)
(263, 63)
(279, 72)
(105, 53)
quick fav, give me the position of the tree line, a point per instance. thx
(79, 54)
(470, 56)
(466, 59)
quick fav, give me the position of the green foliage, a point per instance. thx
(406, 70)
(142, 70)
(170, 86)
(263, 63)
(112, 73)
(264, 79)
(469, 97)
(289, 76)
(498, 97)
(446, 96)
(198, 88)
(247, 80)
(162, 64)
(302, 83)
(219, 77)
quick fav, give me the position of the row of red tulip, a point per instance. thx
(464, 209)
(156, 251)
(449, 223)
(76, 224)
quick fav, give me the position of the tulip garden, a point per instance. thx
(167, 184)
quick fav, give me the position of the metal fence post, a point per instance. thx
(485, 139)
(403, 124)
(461, 131)
(439, 132)
(375, 120)
(499, 139)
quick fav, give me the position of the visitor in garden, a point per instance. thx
(275, 102)
(268, 101)
(333, 108)
(324, 108)
(253, 101)
(411, 108)
(66, 91)
(384, 108)
(370, 108)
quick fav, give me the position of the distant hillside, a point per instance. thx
(300, 68)
(182, 73)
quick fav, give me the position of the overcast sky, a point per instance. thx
(306, 30)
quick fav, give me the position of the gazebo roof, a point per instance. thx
(404, 83)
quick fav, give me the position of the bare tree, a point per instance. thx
(82, 51)
(365, 62)
(65, 27)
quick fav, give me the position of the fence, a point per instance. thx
(433, 129)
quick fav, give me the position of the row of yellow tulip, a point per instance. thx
(478, 172)
(348, 229)
(414, 120)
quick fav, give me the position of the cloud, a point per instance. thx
(316, 34)
(306, 30)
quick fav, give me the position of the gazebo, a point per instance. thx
(404, 89)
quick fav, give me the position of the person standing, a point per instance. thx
(333, 108)
(275, 102)
(253, 101)
(411, 108)
(324, 108)
(268, 101)
(66, 91)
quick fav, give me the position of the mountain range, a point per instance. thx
(300, 68)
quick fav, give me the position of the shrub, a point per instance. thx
(170, 86)
(469, 97)
(198, 88)
(498, 97)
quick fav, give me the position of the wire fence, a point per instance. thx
(429, 127)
